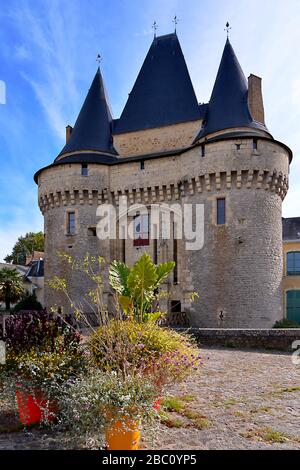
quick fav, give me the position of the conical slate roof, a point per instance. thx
(228, 105)
(93, 127)
(163, 93)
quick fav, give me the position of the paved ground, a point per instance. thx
(239, 400)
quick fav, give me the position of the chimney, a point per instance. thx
(255, 99)
(68, 133)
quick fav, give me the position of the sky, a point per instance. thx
(48, 51)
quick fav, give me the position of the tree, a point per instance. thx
(11, 286)
(24, 246)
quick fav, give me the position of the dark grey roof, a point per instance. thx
(163, 93)
(228, 105)
(36, 269)
(93, 127)
(291, 228)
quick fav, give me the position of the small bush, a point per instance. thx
(285, 323)
(28, 302)
(38, 330)
(130, 347)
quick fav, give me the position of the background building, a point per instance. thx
(291, 268)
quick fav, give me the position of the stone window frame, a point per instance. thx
(75, 212)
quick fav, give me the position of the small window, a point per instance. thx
(141, 230)
(293, 263)
(254, 144)
(142, 165)
(221, 216)
(202, 150)
(71, 223)
(92, 231)
(175, 306)
(238, 146)
(84, 169)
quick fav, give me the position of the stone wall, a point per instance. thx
(239, 269)
(277, 339)
(156, 140)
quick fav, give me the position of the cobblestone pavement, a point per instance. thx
(239, 400)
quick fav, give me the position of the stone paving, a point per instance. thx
(243, 399)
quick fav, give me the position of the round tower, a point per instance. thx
(70, 190)
(243, 181)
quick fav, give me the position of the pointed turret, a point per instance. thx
(163, 93)
(93, 127)
(228, 105)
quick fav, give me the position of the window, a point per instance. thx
(293, 263)
(141, 230)
(221, 216)
(254, 144)
(202, 150)
(142, 165)
(92, 231)
(238, 146)
(293, 305)
(175, 306)
(84, 169)
(71, 223)
(175, 256)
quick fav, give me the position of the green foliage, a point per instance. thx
(136, 287)
(172, 404)
(11, 286)
(45, 370)
(98, 399)
(24, 246)
(28, 302)
(132, 348)
(285, 323)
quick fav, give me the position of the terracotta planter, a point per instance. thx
(35, 408)
(123, 435)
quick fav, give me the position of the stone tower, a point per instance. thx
(166, 148)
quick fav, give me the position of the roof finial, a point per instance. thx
(227, 29)
(175, 21)
(99, 58)
(154, 27)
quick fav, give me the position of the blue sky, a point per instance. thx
(48, 59)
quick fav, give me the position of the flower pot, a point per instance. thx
(123, 435)
(35, 407)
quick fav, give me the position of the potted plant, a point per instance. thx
(129, 351)
(41, 354)
(106, 401)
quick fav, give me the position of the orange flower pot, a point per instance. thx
(35, 408)
(123, 435)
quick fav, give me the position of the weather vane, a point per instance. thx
(154, 27)
(175, 21)
(227, 29)
(99, 58)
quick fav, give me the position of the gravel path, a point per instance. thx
(239, 400)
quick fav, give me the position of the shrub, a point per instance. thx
(28, 302)
(98, 399)
(38, 330)
(129, 347)
(285, 323)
